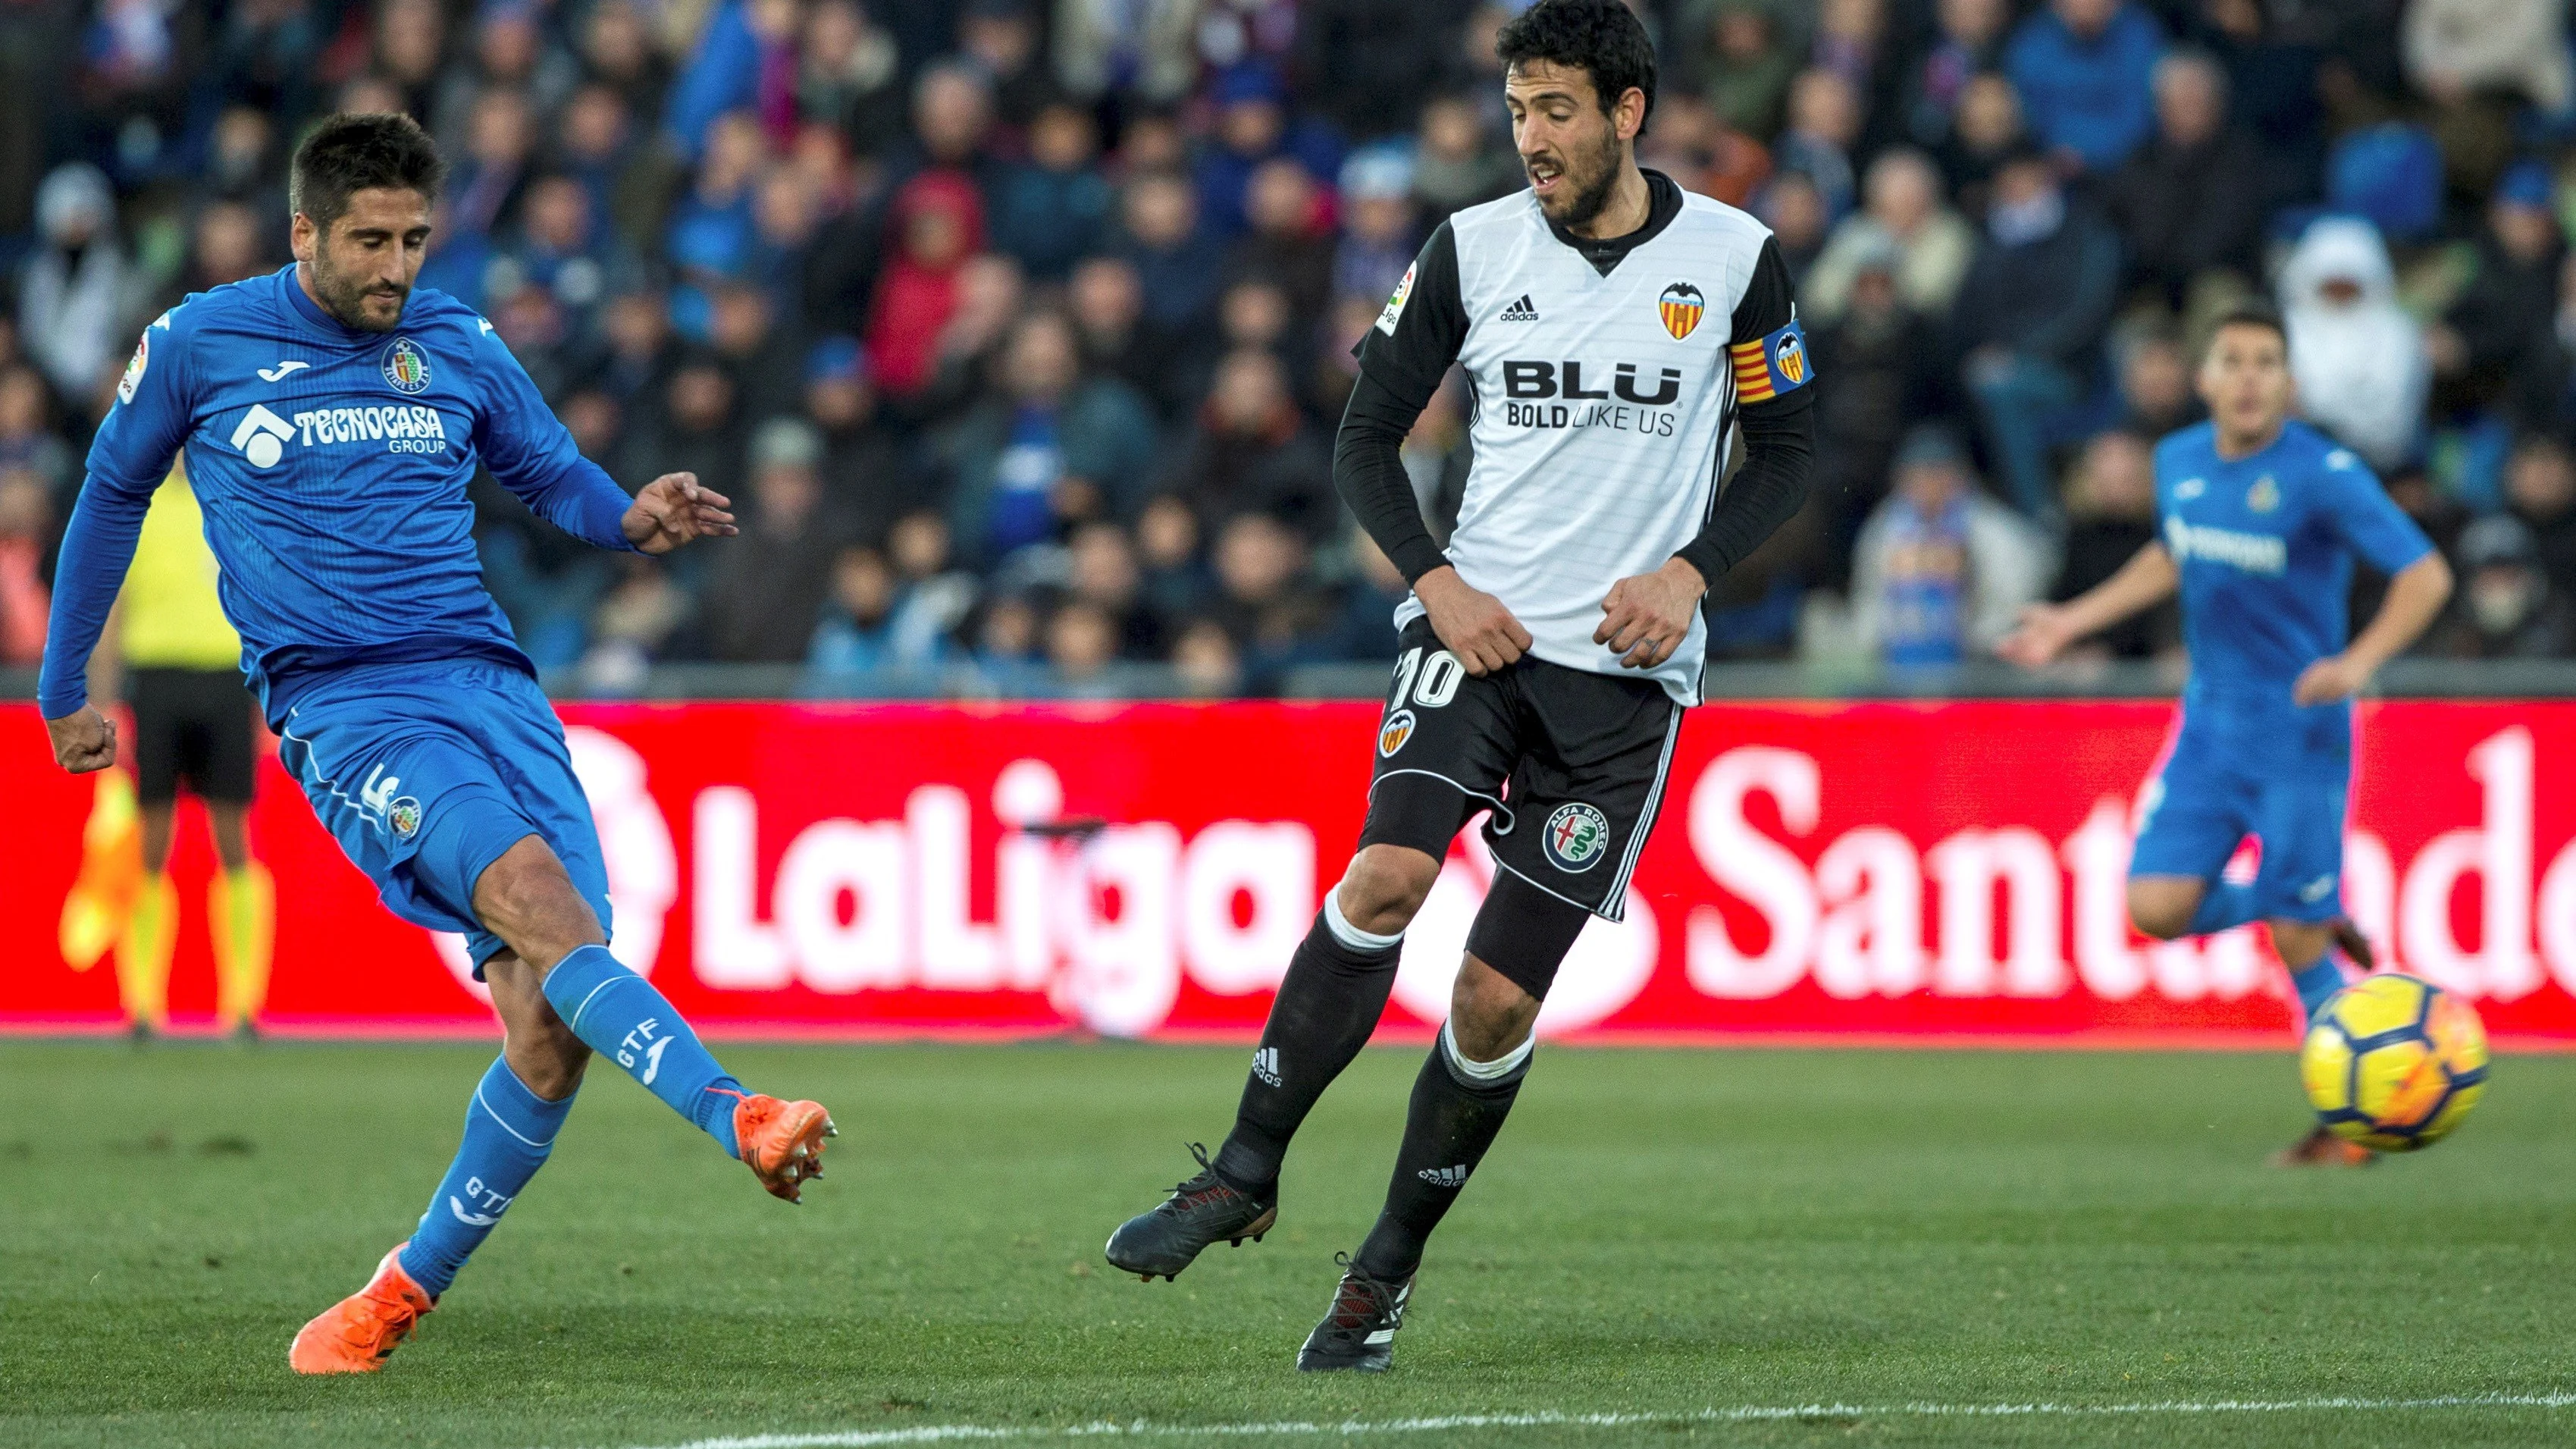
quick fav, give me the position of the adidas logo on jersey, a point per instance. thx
(1523, 310)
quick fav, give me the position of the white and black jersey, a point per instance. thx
(1607, 377)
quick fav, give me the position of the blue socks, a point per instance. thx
(619, 1015)
(2223, 907)
(509, 1131)
(2317, 981)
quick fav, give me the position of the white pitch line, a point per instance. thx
(1744, 1414)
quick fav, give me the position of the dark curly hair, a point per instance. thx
(1603, 38)
(351, 152)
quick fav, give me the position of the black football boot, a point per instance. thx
(1359, 1332)
(1199, 1211)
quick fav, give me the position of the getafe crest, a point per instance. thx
(1682, 306)
(406, 367)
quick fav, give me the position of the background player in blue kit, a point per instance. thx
(2261, 519)
(331, 419)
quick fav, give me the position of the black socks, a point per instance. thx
(1457, 1108)
(1328, 1005)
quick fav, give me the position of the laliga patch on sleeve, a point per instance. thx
(134, 368)
(1395, 304)
(1772, 365)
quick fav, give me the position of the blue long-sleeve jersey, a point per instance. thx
(331, 466)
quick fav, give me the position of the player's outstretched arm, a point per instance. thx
(2415, 595)
(672, 510)
(2146, 580)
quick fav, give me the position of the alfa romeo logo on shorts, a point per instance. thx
(1577, 836)
(1392, 734)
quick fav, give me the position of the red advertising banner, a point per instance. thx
(1933, 872)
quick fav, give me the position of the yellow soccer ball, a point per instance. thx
(2394, 1062)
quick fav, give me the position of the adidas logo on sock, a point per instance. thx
(1444, 1176)
(1265, 1065)
(1523, 310)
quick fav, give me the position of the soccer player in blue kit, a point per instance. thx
(2261, 518)
(332, 417)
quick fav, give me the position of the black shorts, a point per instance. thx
(192, 725)
(1571, 764)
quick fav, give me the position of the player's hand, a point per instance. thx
(1646, 617)
(1473, 624)
(2337, 676)
(672, 510)
(84, 740)
(2044, 631)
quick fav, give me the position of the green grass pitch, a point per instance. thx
(1694, 1238)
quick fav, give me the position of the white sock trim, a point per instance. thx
(1493, 1071)
(1352, 936)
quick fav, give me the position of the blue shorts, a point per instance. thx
(426, 773)
(2210, 796)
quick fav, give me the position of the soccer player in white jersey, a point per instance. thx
(1616, 330)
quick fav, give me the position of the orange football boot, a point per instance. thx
(782, 1141)
(2321, 1148)
(357, 1334)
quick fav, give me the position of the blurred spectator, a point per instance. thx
(2455, 48)
(2083, 68)
(1365, 61)
(1794, 208)
(27, 441)
(1253, 129)
(1054, 210)
(2357, 355)
(1942, 570)
(1745, 57)
(26, 537)
(864, 487)
(2504, 313)
(1108, 308)
(696, 430)
(847, 75)
(1378, 236)
(1288, 243)
(617, 52)
(1178, 263)
(1904, 222)
(638, 619)
(1105, 577)
(507, 51)
(243, 160)
(1000, 38)
(1081, 645)
(2157, 395)
(745, 62)
(2273, 86)
(1880, 354)
(938, 224)
(756, 348)
(2506, 607)
(935, 594)
(1437, 458)
(560, 246)
(1207, 662)
(2111, 514)
(952, 118)
(2540, 492)
(77, 290)
(1824, 125)
(229, 242)
(1967, 40)
(482, 192)
(1456, 164)
(1145, 47)
(637, 329)
(2029, 318)
(1990, 131)
(410, 46)
(2192, 200)
(1366, 629)
(1263, 599)
(1049, 446)
(863, 626)
(1250, 451)
(1007, 640)
(765, 587)
(1176, 580)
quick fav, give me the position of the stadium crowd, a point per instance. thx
(1018, 329)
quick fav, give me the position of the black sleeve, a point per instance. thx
(1402, 359)
(1779, 426)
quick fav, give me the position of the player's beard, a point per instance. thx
(1588, 201)
(345, 298)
